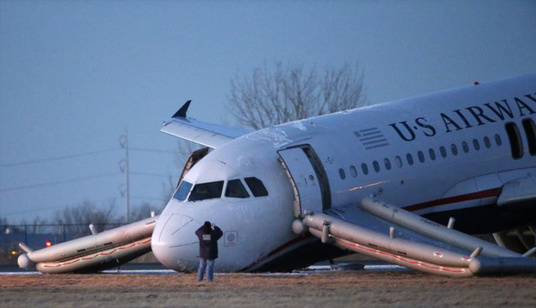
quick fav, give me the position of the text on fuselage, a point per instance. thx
(468, 117)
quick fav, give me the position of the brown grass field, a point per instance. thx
(321, 289)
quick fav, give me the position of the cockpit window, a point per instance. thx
(183, 191)
(206, 191)
(235, 189)
(257, 187)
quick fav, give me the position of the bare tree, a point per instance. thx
(142, 211)
(280, 94)
(78, 218)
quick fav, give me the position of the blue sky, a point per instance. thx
(75, 75)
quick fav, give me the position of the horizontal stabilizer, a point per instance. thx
(205, 134)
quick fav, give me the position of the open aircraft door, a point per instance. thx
(308, 178)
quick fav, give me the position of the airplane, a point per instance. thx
(407, 182)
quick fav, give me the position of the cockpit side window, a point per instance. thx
(256, 186)
(182, 192)
(206, 191)
(235, 189)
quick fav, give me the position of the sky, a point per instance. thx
(75, 76)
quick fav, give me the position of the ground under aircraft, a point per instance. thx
(405, 182)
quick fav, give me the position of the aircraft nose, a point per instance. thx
(174, 242)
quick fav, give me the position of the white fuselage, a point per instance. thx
(438, 154)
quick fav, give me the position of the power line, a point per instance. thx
(36, 161)
(149, 198)
(150, 174)
(60, 182)
(152, 150)
(34, 210)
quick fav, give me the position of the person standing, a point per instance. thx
(208, 235)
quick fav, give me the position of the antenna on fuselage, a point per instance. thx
(181, 113)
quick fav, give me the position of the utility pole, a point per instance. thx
(124, 166)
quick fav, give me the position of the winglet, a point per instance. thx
(182, 112)
(206, 134)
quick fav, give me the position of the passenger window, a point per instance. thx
(410, 159)
(465, 147)
(364, 168)
(487, 142)
(182, 192)
(420, 155)
(476, 144)
(431, 152)
(398, 161)
(376, 166)
(235, 189)
(443, 151)
(257, 187)
(454, 149)
(498, 140)
(342, 174)
(206, 191)
(353, 171)
(387, 163)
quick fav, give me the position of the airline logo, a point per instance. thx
(371, 138)
(469, 117)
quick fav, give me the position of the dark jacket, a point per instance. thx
(208, 243)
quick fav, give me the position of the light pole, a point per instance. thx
(123, 165)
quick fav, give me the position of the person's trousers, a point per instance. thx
(206, 265)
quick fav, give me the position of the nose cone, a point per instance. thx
(174, 242)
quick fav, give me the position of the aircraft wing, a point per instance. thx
(394, 235)
(206, 134)
(518, 192)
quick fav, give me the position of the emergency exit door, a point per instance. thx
(308, 179)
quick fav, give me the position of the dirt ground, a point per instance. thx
(333, 289)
